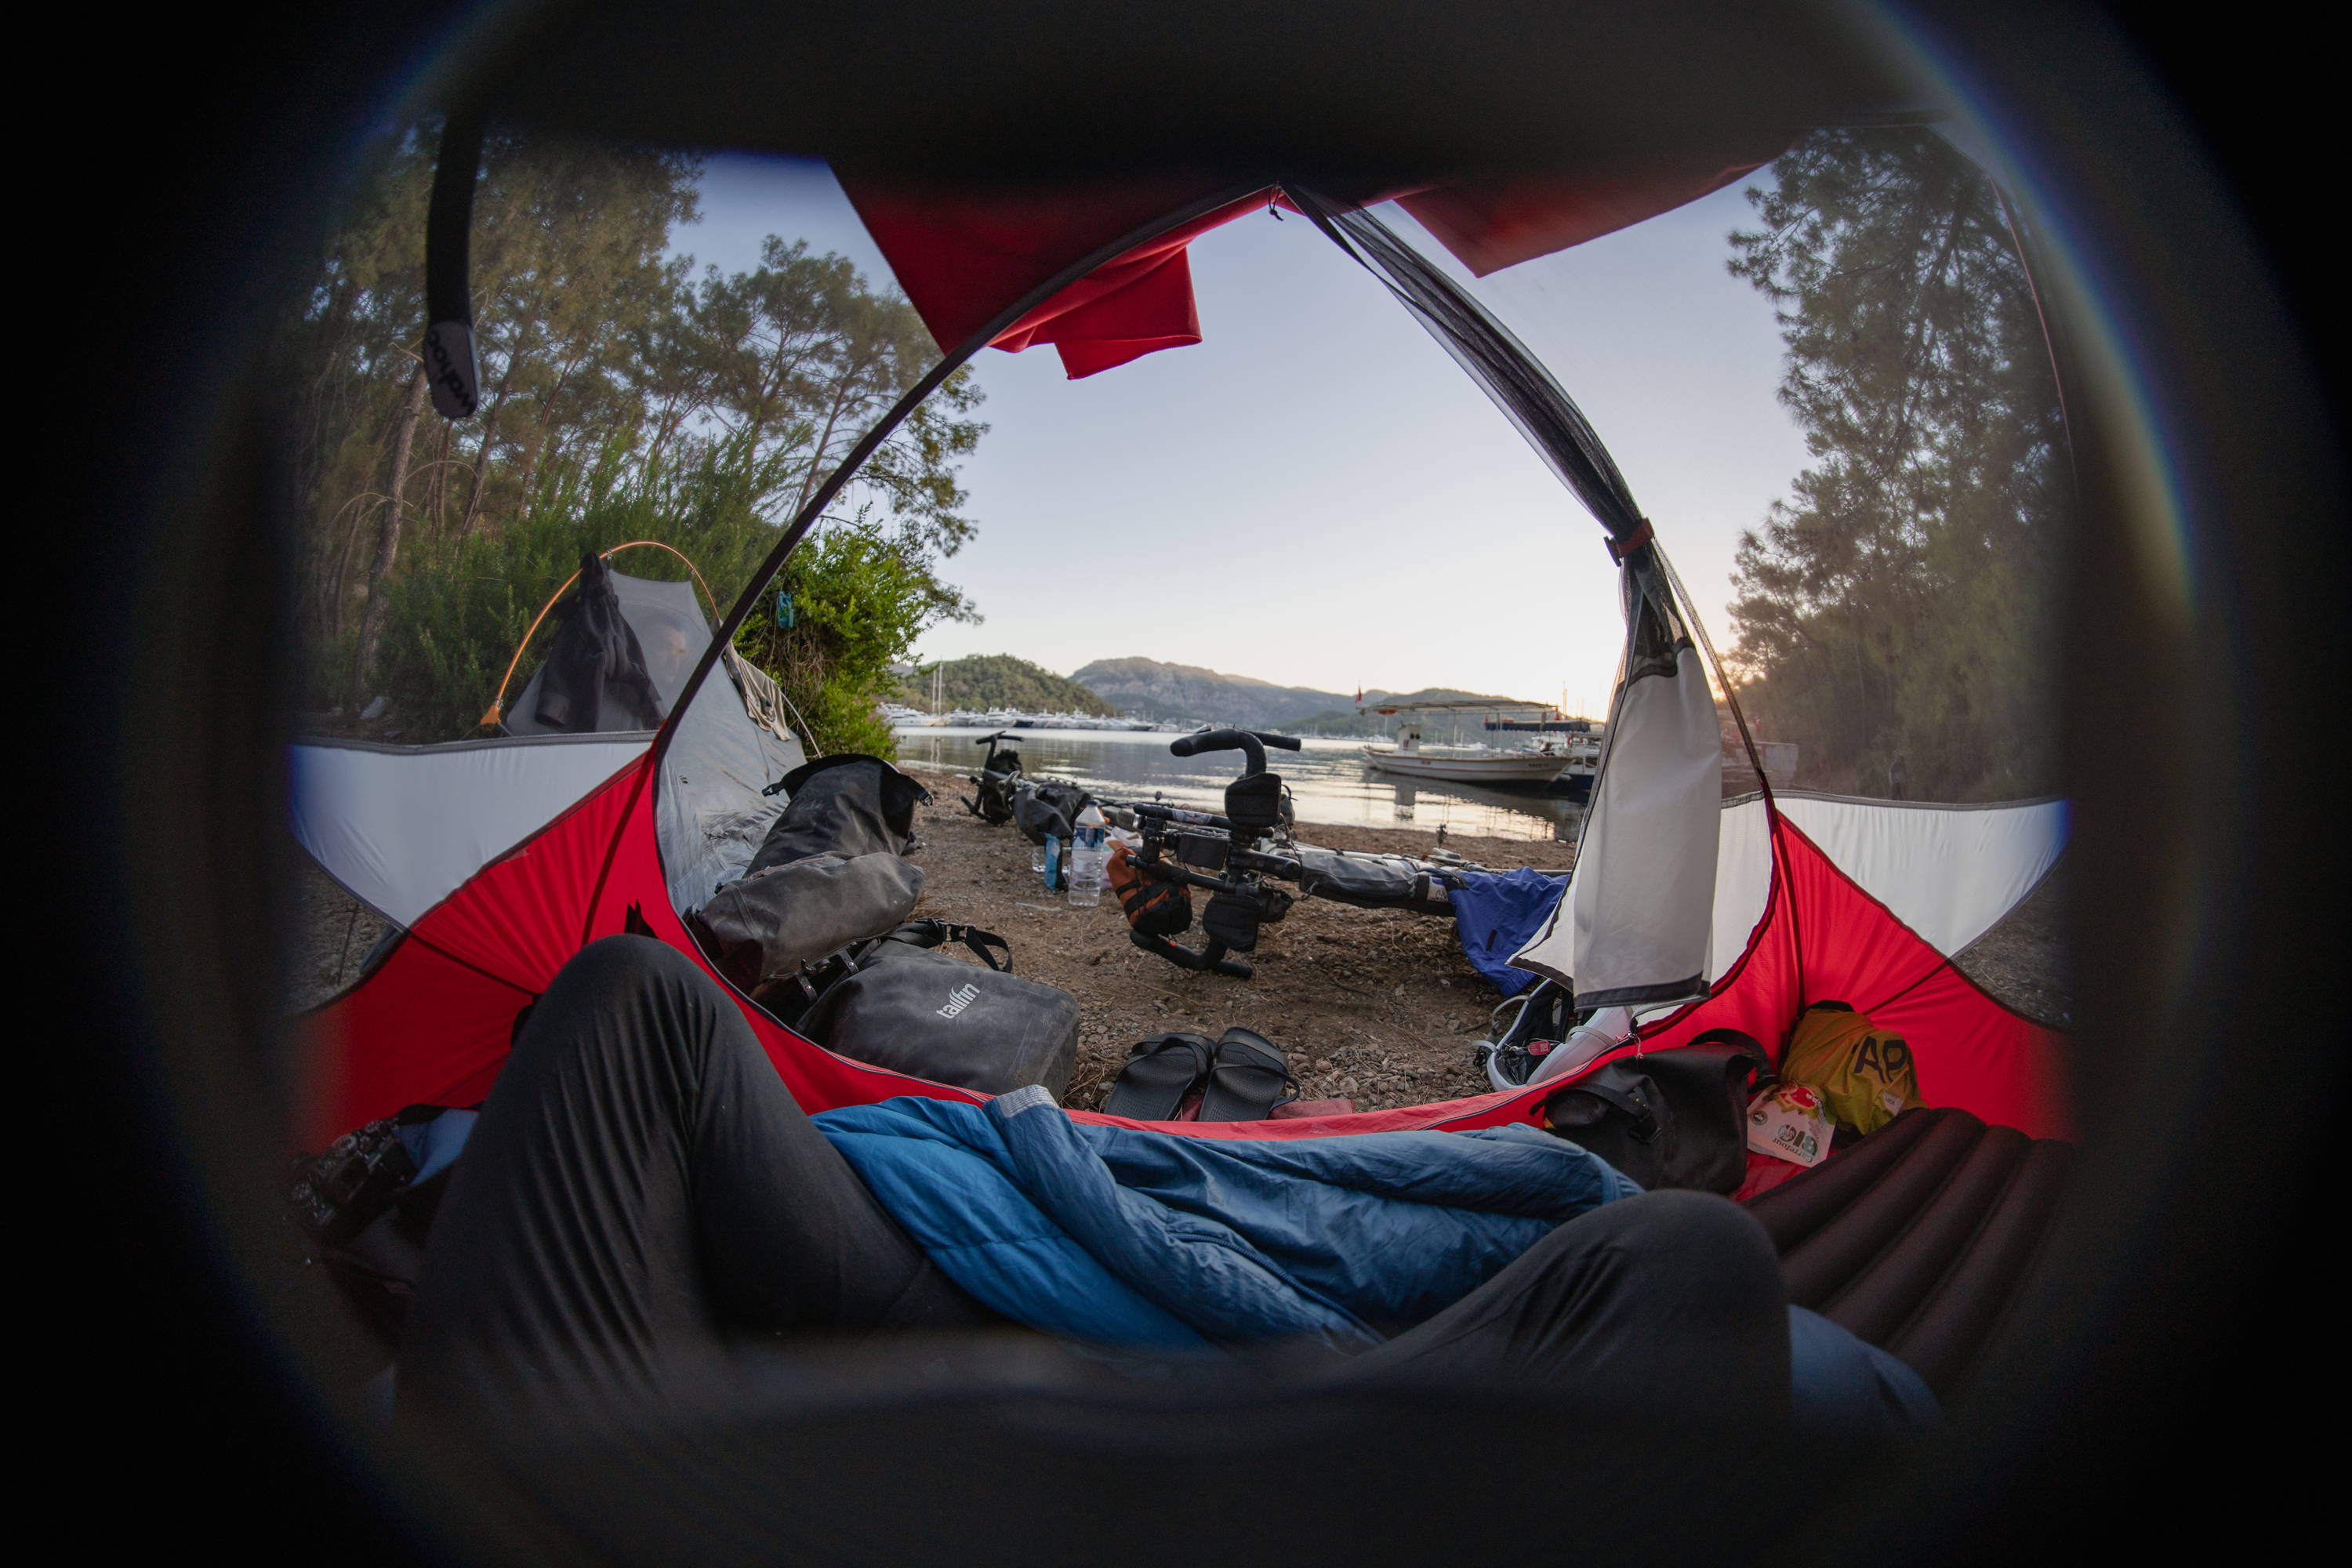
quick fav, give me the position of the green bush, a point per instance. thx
(861, 596)
(859, 604)
(624, 397)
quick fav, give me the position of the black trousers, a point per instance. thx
(647, 1227)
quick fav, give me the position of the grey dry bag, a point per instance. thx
(766, 926)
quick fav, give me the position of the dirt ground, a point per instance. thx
(2023, 960)
(1375, 1005)
(333, 936)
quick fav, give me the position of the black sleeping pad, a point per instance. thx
(1917, 1237)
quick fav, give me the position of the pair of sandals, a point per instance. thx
(1241, 1078)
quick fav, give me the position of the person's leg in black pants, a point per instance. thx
(641, 1190)
(1671, 1300)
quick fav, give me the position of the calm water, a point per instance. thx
(1328, 779)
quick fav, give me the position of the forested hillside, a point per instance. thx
(1189, 693)
(1183, 691)
(624, 397)
(1900, 605)
(1437, 727)
(987, 680)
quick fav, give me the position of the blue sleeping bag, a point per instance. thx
(1119, 1237)
(1116, 1236)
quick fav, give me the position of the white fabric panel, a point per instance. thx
(1743, 880)
(1948, 872)
(710, 813)
(1637, 922)
(401, 826)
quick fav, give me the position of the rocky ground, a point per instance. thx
(335, 934)
(1375, 1005)
(2022, 961)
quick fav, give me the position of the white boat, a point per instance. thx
(1408, 758)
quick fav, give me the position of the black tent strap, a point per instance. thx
(1496, 359)
(448, 288)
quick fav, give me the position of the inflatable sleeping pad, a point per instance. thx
(1918, 1238)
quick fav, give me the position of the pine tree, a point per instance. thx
(623, 398)
(1898, 604)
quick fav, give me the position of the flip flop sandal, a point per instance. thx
(1159, 1072)
(1246, 1076)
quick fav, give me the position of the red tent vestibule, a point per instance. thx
(432, 1024)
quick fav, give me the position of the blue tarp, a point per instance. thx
(1495, 913)
(435, 1145)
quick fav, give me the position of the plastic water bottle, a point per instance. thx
(1053, 863)
(1090, 851)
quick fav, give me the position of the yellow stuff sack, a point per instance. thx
(1863, 1072)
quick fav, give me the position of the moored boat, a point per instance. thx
(1408, 758)
(1559, 749)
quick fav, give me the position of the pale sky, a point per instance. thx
(1316, 495)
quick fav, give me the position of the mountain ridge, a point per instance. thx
(984, 680)
(1156, 689)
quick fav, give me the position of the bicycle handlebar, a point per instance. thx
(1250, 743)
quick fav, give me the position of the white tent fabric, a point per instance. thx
(402, 827)
(710, 812)
(1948, 872)
(1635, 926)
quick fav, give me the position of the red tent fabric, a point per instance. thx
(961, 257)
(434, 1023)
(1491, 225)
(1823, 939)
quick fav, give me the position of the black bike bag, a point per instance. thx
(913, 1009)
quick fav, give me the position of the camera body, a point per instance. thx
(336, 1193)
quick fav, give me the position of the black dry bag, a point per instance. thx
(1047, 810)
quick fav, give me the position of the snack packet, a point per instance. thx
(1790, 1121)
